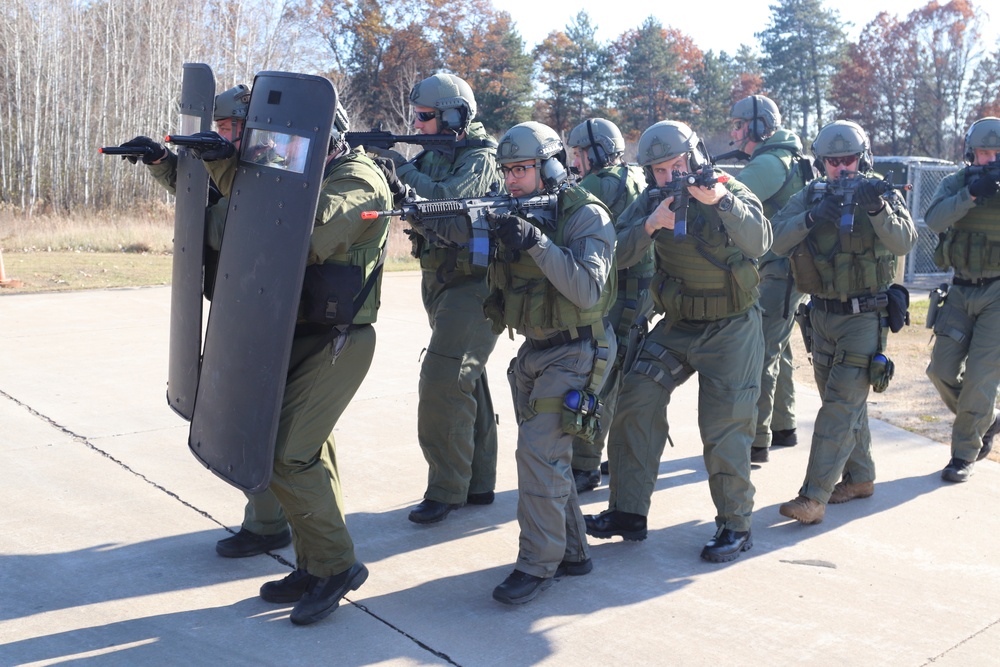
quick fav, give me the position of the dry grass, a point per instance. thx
(48, 253)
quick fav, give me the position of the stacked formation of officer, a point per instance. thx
(727, 265)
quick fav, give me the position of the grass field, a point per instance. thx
(50, 253)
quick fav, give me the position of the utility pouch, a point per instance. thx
(493, 309)
(935, 301)
(898, 307)
(880, 371)
(328, 292)
(802, 318)
(581, 415)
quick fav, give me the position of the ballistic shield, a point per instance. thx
(261, 264)
(196, 107)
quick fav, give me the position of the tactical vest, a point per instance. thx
(529, 299)
(451, 263)
(825, 267)
(628, 188)
(972, 245)
(702, 276)
(795, 180)
(365, 252)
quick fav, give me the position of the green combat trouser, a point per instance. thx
(306, 481)
(262, 514)
(727, 355)
(965, 363)
(548, 511)
(456, 424)
(587, 455)
(776, 405)
(842, 443)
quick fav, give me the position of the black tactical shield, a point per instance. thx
(249, 336)
(196, 106)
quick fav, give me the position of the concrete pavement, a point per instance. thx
(108, 526)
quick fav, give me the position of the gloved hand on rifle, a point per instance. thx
(397, 158)
(514, 232)
(983, 187)
(222, 149)
(867, 195)
(155, 151)
(827, 210)
(396, 187)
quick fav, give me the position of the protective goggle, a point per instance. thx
(518, 170)
(425, 116)
(841, 161)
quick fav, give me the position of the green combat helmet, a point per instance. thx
(984, 133)
(602, 139)
(232, 103)
(839, 139)
(450, 97)
(761, 115)
(538, 142)
(667, 140)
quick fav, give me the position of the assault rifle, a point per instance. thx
(127, 151)
(379, 138)
(990, 170)
(425, 213)
(844, 188)
(677, 188)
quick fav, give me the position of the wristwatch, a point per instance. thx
(726, 203)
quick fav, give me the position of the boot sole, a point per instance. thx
(859, 496)
(792, 515)
(526, 598)
(627, 535)
(352, 584)
(725, 558)
(281, 541)
(435, 519)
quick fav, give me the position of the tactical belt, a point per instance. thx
(561, 338)
(641, 283)
(978, 282)
(859, 304)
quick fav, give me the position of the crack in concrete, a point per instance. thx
(124, 466)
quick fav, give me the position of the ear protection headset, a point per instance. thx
(757, 126)
(553, 171)
(598, 157)
(453, 118)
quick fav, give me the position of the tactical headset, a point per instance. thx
(598, 156)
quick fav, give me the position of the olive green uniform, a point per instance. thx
(456, 423)
(556, 294)
(845, 333)
(322, 380)
(262, 514)
(965, 361)
(706, 287)
(773, 175)
(617, 186)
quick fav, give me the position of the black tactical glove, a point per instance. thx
(154, 150)
(827, 210)
(219, 150)
(983, 187)
(867, 195)
(397, 158)
(514, 232)
(396, 187)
